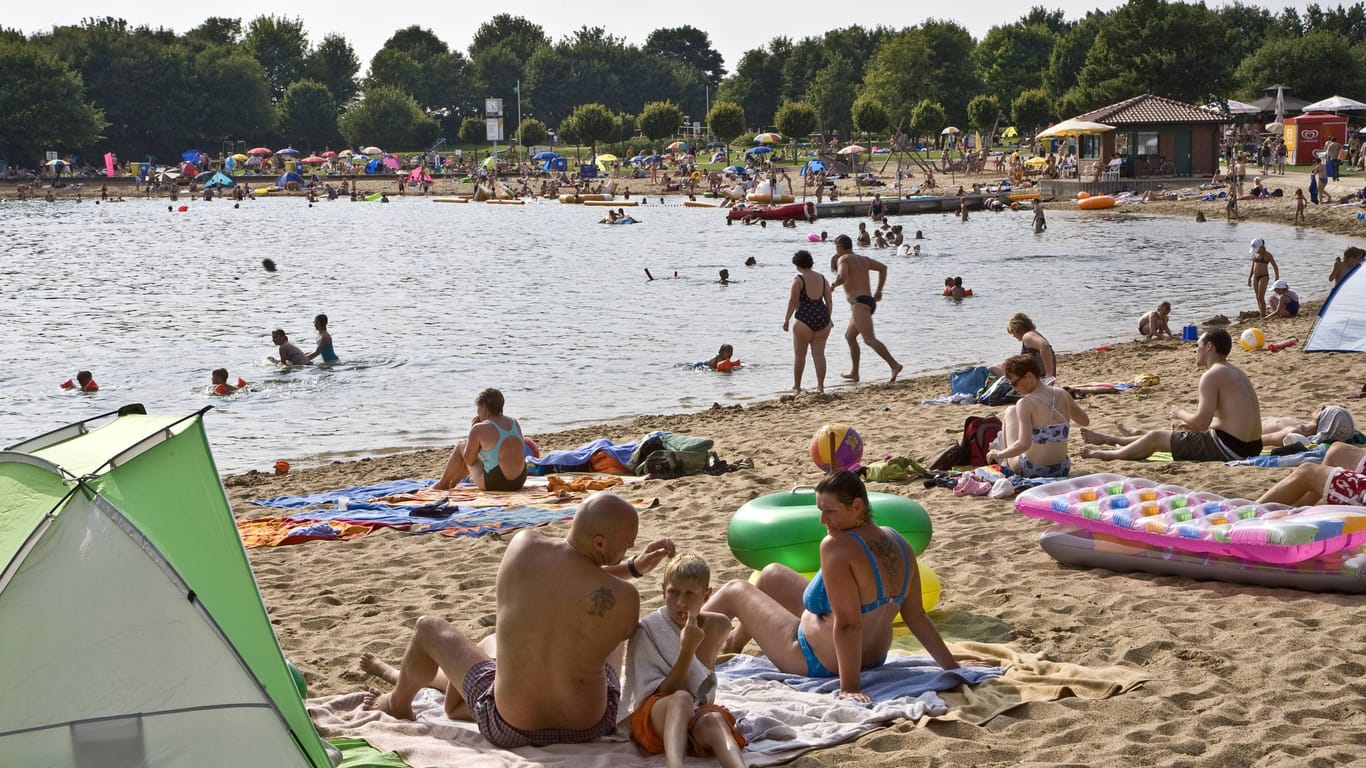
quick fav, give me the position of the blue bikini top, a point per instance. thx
(815, 599)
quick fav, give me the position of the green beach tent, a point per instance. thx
(131, 629)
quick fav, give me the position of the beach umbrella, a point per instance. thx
(735, 169)
(758, 150)
(259, 151)
(287, 151)
(852, 149)
(1334, 104)
(1275, 127)
(346, 153)
(329, 153)
(313, 160)
(545, 155)
(679, 145)
(203, 176)
(372, 151)
(390, 161)
(949, 131)
(1035, 162)
(607, 157)
(55, 163)
(241, 158)
(767, 138)
(1010, 133)
(359, 159)
(190, 155)
(1074, 127)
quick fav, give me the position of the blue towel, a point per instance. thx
(479, 521)
(577, 458)
(901, 676)
(355, 494)
(1311, 456)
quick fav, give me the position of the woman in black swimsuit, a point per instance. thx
(1258, 275)
(813, 319)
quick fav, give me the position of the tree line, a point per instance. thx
(103, 85)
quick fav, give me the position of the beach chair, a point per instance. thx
(1112, 169)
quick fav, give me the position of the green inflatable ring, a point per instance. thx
(300, 684)
(786, 528)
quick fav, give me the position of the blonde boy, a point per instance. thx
(671, 673)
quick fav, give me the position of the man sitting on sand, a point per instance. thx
(564, 613)
(1340, 479)
(1226, 425)
(851, 271)
(493, 455)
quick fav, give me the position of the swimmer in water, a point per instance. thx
(324, 341)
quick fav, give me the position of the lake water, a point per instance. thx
(430, 303)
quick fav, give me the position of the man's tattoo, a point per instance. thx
(603, 601)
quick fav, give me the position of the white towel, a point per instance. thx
(650, 656)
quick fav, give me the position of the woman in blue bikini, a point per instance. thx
(840, 622)
(493, 456)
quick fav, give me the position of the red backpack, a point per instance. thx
(978, 432)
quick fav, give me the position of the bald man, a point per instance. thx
(565, 610)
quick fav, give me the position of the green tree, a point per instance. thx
(1155, 46)
(416, 61)
(473, 130)
(388, 117)
(832, 92)
(756, 84)
(496, 71)
(1069, 53)
(280, 45)
(515, 34)
(1013, 58)
(726, 121)
(215, 31)
(796, 120)
(591, 66)
(983, 112)
(533, 132)
(334, 64)
(952, 74)
(690, 47)
(1032, 111)
(659, 120)
(308, 115)
(235, 100)
(898, 74)
(870, 115)
(593, 123)
(45, 108)
(1317, 65)
(927, 119)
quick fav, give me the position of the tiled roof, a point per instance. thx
(1149, 109)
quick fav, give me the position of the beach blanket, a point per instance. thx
(359, 492)
(278, 531)
(779, 721)
(579, 458)
(1312, 456)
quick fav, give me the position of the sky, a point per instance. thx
(733, 30)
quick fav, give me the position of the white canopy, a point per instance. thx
(1242, 108)
(1335, 104)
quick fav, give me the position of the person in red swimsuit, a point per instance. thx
(1340, 479)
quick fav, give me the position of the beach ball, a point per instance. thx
(835, 447)
(532, 449)
(1252, 338)
(813, 238)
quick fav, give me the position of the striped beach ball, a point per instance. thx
(1252, 338)
(836, 447)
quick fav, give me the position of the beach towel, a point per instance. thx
(359, 492)
(1311, 456)
(650, 656)
(278, 531)
(578, 458)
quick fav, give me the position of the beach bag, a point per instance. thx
(968, 381)
(665, 464)
(998, 392)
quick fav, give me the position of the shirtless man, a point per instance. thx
(1153, 325)
(1340, 479)
(493, 455)
(851, 271)
(1226, 425)
(564, 613)
(289, 353)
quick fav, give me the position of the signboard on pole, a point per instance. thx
(493, 107)
(494, 127)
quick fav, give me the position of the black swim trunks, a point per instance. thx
(868, 300)
(1214, 445)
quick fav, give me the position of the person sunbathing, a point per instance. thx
(1225, 426)
(1340, 479)
(1330, 423)
(1037, 427)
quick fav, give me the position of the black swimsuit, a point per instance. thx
(812, 312)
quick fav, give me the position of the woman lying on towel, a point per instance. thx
(841, 621)
(493, 456)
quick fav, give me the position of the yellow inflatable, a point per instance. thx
(583, 198)
(612, 203)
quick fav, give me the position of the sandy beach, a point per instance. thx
(1238, 675)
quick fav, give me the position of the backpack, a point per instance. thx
(665, 464)
(998, 392)
(978, 432)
